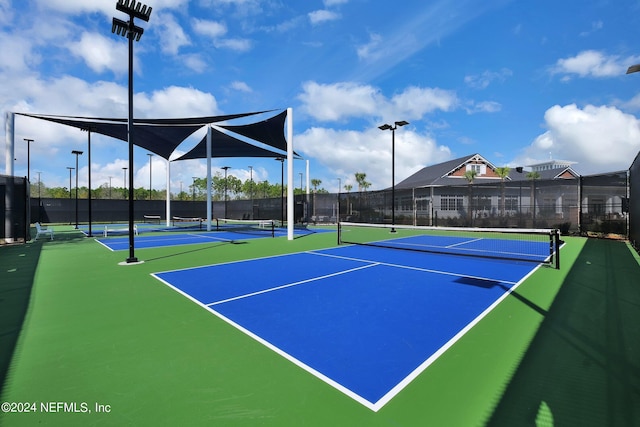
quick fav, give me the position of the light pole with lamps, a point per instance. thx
(193, 189)
(393, 166)
(70, 169)
(225, 168)
(251, 188)
(131, 32)
(77, 153)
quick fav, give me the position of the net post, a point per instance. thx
(217, 224)
(557, 245)
(273, 228)
(339, 234)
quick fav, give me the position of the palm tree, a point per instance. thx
(348, 188)
(502, 172)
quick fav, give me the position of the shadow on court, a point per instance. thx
(17, 269)
(583, 366)
(192, 251)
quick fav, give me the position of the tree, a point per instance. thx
(361, 179)
(502, 172)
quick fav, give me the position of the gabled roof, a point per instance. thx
(442, 174)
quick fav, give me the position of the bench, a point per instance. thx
(43, 231)
(112, 229)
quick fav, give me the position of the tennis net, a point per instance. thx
(534, 245)
(248, 226)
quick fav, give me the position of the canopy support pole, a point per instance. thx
(209, 178)
(290, 186)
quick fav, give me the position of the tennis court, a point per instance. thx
(225, 231)
(307, 332)
(366, 320)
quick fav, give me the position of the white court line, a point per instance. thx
(288, 285)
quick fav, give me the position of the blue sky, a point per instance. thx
(516, 81)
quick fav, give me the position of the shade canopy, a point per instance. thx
(223, 145)
(163, 136)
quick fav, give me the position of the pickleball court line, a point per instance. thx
(289, 285)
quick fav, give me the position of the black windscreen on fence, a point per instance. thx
(14, 205)
(596, 203)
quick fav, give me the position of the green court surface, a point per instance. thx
(97, 343)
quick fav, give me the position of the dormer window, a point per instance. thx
(479, 169)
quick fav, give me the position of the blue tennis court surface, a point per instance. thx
(365, 320)
(178, 238)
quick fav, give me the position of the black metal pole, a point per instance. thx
(393, 179)
(132, 257)
(76, 191)
(89, 156)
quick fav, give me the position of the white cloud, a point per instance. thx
(482, 81)
(321, 16)
(211, 29)
(240, 45)
(593, 63)
(330, 3)
(345, 152)
(176, 101)
(600, 139)
(241, 87)
(172, 36)
(340, 101)
(101, 53)
(371, 50)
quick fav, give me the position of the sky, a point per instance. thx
(518, 82)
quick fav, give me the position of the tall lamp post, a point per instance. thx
(70, 169)
(225, 168)
(131, 32)
(393, 167)
(251, 188)
(77, 153)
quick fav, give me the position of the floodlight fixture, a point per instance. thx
(633, 69)
(136, 10)
(387, 126)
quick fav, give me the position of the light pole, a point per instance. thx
(28, 141)
(110, 187)
(150, 156)
(39, 198)
(131, 32)
(70, 169)
(251, 188)
(77, 153)
(225, 168)
(193, 189)
(393, 167)
(339, 185)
